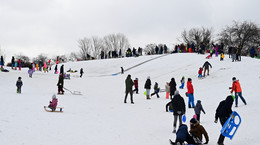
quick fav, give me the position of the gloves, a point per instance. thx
(216, 121)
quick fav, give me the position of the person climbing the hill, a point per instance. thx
(156, 90)
(198, 130)
(147, 86)
(223, 112)
(178, 105)
(19, 85)
(198, 108)
(122, 70)
(200, 72)
(60, 84)
(206, 66)
(172, 87)
(81, 72)
(182, 82)
(238, 91)
(53, 103)
(190, 93)
(129, 88)
(136, 85)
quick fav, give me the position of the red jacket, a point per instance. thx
(200, 71)
(236, 87)
(190, 87)
(136, 83)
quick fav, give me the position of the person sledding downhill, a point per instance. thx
(238, 91)
(53, 103)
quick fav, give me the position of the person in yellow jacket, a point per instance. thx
(238, 91)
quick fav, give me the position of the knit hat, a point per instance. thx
(176, 92)
(234, 79)
(148, 77)
(53, 96)
(193, 120)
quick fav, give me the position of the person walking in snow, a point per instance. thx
(156, 90)
(81, 72)
(198, 108)
(206, 66)
(53, 104)
(178, 106)
(238, 91)
(122, 70)
(19, 85)
(223, 112)
(60, 84)
(56, 69)
(167, 90)
(198, 130)
(136, 85)
(129, 88)
(190, 93)
(147, 86)
(172, 87)
(62, 69)
(182, 82)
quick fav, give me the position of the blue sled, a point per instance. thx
(114, 74)
(230, 127)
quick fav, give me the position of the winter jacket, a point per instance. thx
(178, 105)
(60, 81)
(19, 83)
(198, 108)
(147, 84)
(200, 70)
(224, 109)
(182, 132)
(156, 87)
(207, 65)
(183, 80)
(236, 87)
(136, 83)
(190, 87)
(172, 86)
(167, 88)
(54, 103)
(197, 130)
(129, 84)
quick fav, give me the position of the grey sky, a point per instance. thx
(53, 27)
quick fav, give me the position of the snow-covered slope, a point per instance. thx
(100, 117)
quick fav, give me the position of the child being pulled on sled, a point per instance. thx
(53, 103)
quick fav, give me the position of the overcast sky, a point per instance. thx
(53, 27)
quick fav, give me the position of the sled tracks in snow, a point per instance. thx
(115, 74)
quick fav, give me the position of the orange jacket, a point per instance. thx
(236, 87)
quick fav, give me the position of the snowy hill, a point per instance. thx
(100, 117)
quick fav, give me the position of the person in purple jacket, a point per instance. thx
(53, 103)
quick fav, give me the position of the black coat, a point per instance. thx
(61, 81)
(178, 105)
(224, 109)
(172, 86)
(147, 84)
(207, 65)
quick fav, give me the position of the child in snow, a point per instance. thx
(53, 103)
(167, 90)
(136, 85)
(222, 57)
(200, 72)
(19, 85)
(156, 90)
(182, 82)
(198, 108)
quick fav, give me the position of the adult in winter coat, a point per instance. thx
(206, 66)
(19, 85)
(198, 108)
(178, 106)
(147, 86)
(13, 61)
(62, 69)
(172, 87)
(190, 93)
(60, 84)
(198, 130)
(129, 88)
(238, 91)
(2, 61)
(56, 69)
(223, 112)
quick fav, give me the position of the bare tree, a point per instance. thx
(22, 57)
(115, 42)
(85, 48)
(150, 48)
(96, 47)
(244, 34)
(40, 58)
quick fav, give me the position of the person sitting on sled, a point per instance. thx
(53, 103)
